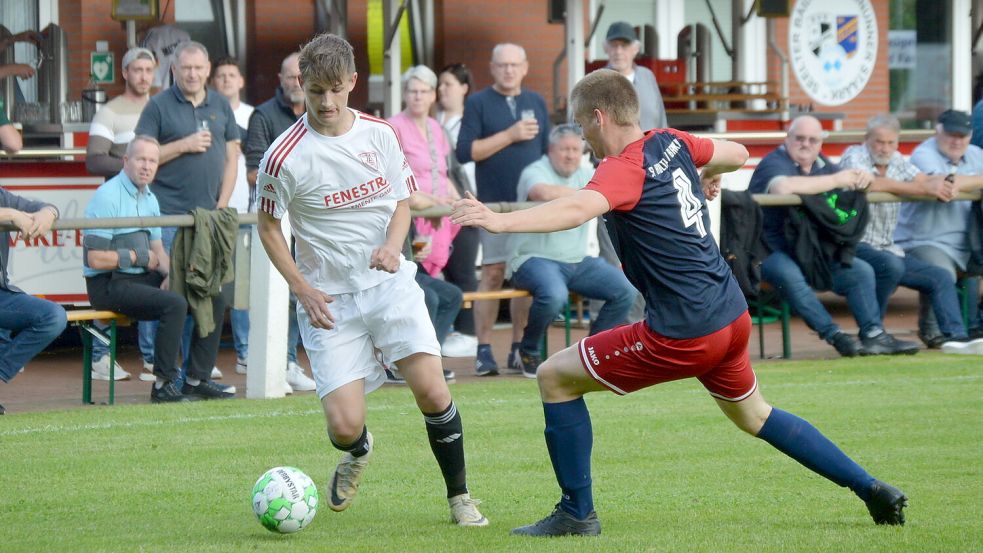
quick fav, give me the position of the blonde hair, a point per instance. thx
(327, 59)
(609, 92)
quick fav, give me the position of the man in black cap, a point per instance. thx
(937, 232)
(621, 46)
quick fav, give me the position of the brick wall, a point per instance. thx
(875, 98)
(275, 29)
(85, 23)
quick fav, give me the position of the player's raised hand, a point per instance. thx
(315, 304)
(469, 212)
(385, 258)
(711, 186)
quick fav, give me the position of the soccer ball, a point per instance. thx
(285, 500)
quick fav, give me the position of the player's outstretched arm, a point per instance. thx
(315, 302)
(727, 156)
(559, 214)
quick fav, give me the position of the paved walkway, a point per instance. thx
(54, 379)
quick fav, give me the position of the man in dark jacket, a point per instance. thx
(27, 324)
(798, 167)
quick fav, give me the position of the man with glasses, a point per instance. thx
(937, 232)
(551, 265)
(798, 167)
(504, 129)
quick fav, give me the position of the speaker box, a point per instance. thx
(557, 11)
(774, 8)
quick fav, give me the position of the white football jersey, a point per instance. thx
(339, 194)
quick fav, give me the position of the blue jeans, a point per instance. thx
(443, 301)
(856, 283)
(928, 325)
(27, 326)
(240, 332)
(937, 284)
(550, 283)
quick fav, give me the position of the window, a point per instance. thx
(923, 89)
(204, 20)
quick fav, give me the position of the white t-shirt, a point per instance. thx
(339, 193)
(240, 194)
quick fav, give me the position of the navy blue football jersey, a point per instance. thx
(660, 226)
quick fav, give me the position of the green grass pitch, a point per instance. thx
(670, 472)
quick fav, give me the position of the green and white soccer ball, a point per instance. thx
(285, 500)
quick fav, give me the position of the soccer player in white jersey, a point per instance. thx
(342, 180)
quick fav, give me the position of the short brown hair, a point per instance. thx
(327, 59)
(609, 92)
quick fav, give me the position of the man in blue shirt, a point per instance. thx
(798, 167)
(126, 271)
(551, 265)
(504, 129)
(27, 324)
(696, 321)
(936, 232)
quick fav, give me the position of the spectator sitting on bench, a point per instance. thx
(126, 272)
(938, 232)
(27, 324)
(552, 265)
(893, 173)
(798, 167)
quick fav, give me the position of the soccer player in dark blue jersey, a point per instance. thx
(696, 322)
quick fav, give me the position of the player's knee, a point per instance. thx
(344, 434)
(551, 382)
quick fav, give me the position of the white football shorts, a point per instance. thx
(374, 328)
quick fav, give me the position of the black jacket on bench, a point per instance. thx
(824, 231)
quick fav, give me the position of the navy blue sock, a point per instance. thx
(801, 441)
(569, 439)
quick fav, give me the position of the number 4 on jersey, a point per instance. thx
(689, 204)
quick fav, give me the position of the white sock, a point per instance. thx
(193, 381)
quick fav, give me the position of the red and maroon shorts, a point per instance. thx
(632, 357)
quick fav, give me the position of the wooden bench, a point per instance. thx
(508, 293)
(85, 319)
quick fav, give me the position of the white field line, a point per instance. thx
(111, 425)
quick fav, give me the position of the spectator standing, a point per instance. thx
(27, 324)
(111, 130)
(199, 145)
(504, 129)
(126, 271)
(11, 140)
(551, 265)
(879, 156)
(268, 121)
(454, 84)
(798, 167)
(621, 45)
(937, 232)
(427, 149)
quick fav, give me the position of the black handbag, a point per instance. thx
(975, 265)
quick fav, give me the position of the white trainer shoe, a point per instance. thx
(459, 345)
(297, 379)
(240, 365)
(100, 370)
(343, 485)
(216, 374)
(147, 374)
(464, 511)
(964, 347)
